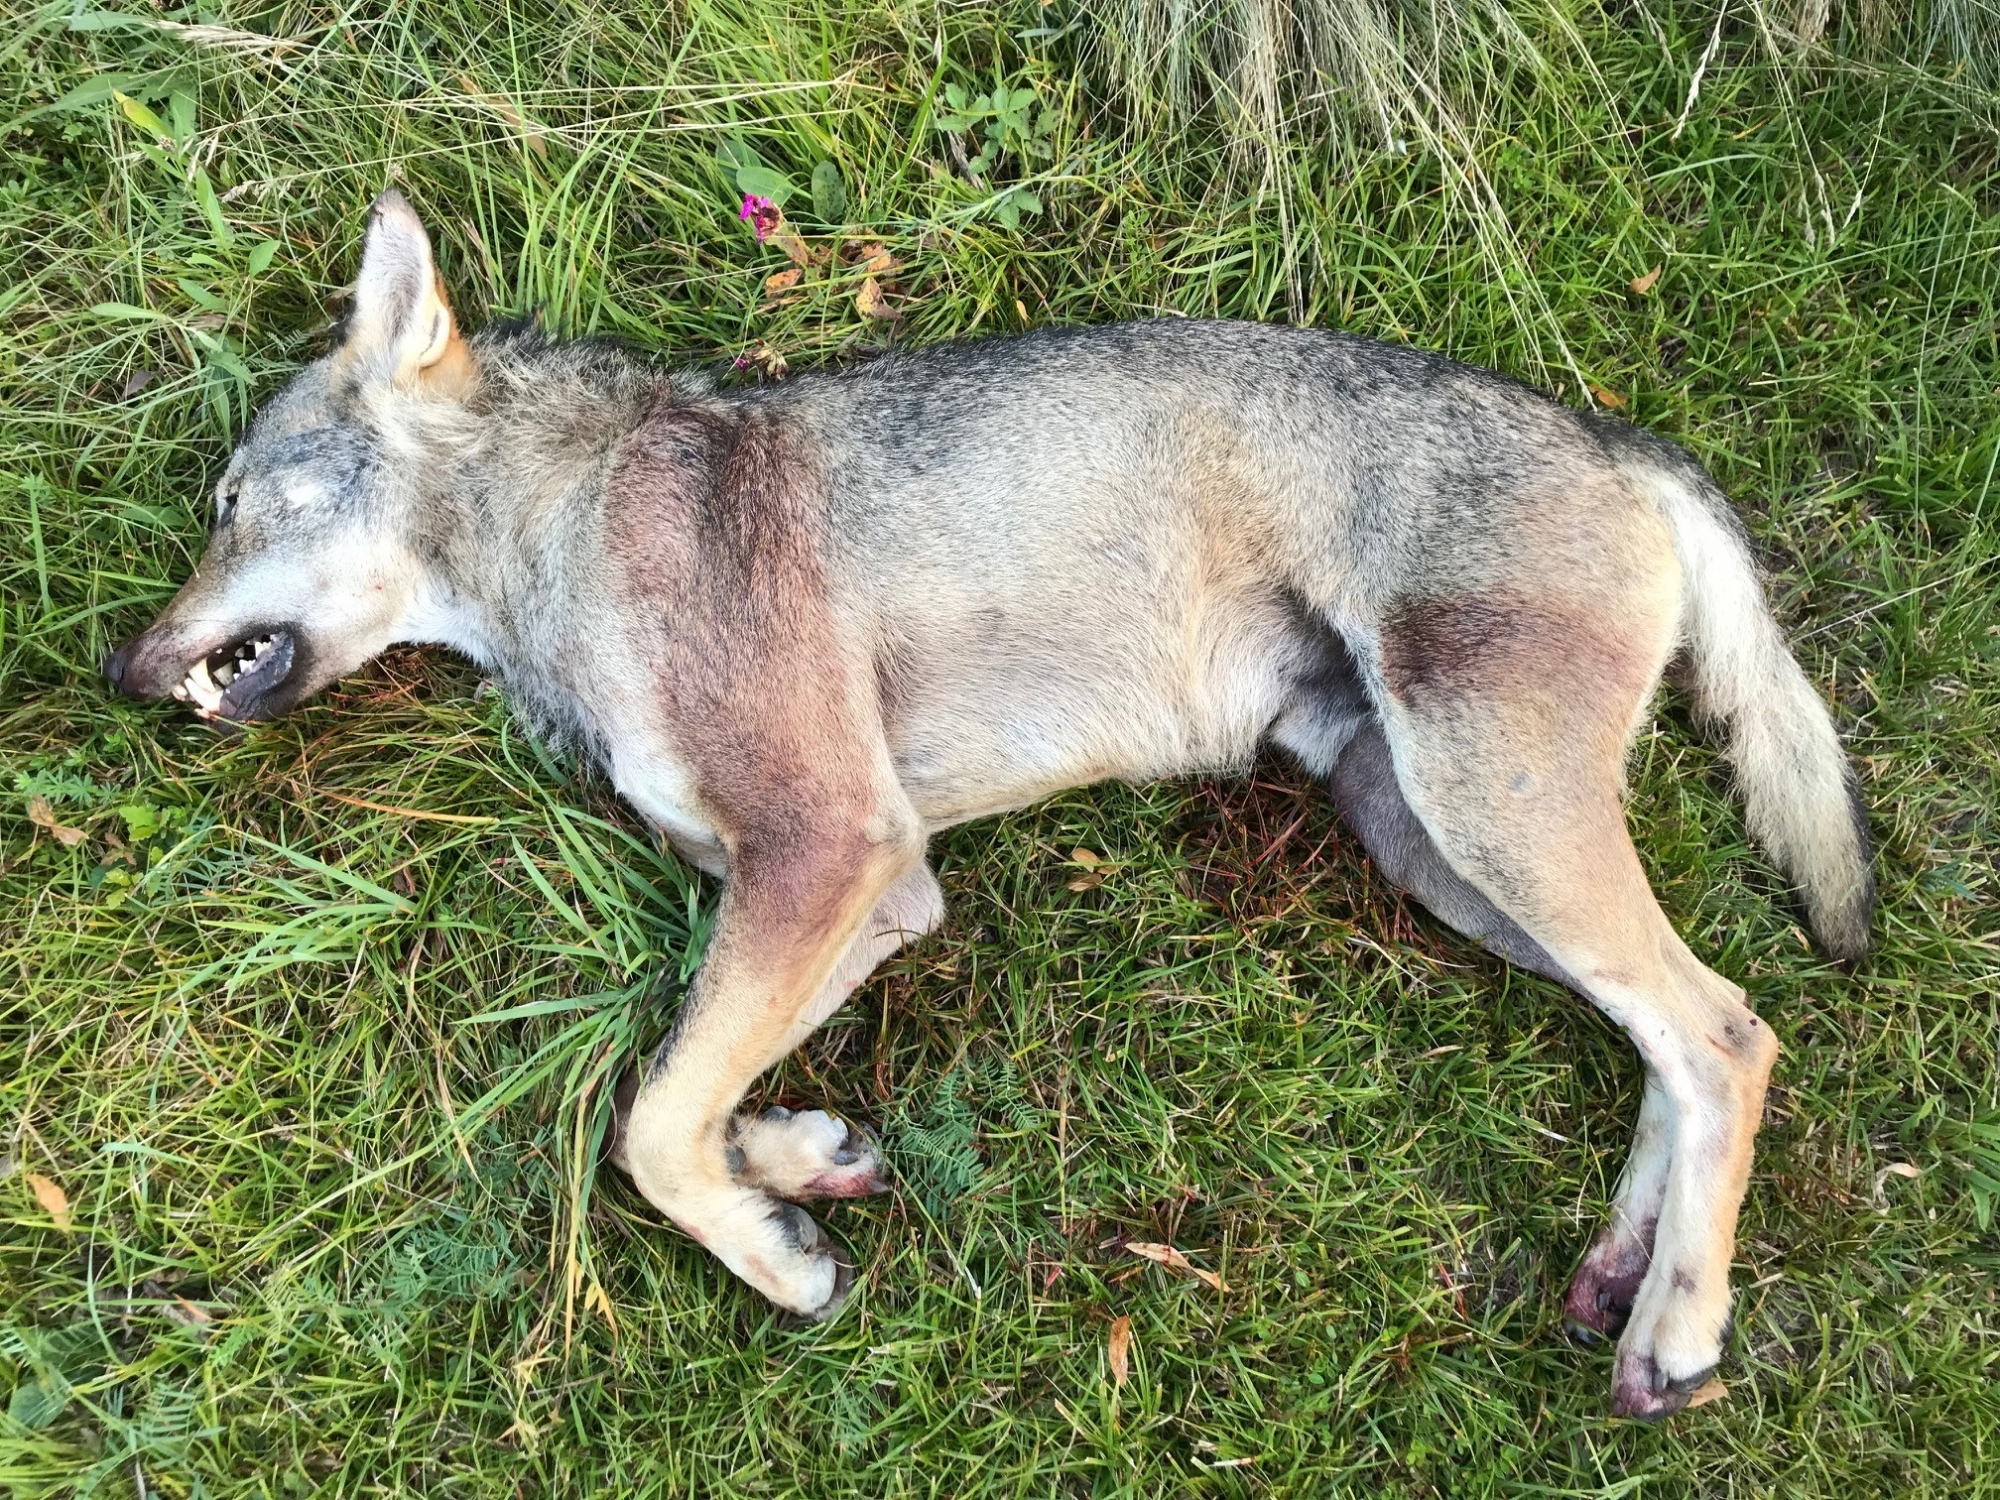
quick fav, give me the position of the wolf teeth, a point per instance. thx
(202, 688)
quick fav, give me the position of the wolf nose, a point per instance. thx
(115, 665)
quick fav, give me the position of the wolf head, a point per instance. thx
(312, 566)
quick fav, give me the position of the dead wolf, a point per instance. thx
(804, 626)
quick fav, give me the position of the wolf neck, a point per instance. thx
(511, 503)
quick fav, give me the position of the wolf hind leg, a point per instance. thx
(1599, 1301)
(1507, 733)
(1369, 797)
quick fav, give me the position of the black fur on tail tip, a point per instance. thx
(1843, 926)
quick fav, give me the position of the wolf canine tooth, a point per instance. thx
(202, 687)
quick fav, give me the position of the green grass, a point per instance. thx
(319, 1082)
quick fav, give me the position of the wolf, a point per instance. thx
(803, 626)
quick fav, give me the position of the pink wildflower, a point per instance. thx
(761, 214)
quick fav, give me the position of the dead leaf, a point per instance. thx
(782, 281)
(44, 816)
(1610, 398)
(1173, 1260)
(54, 1201)
(1644, 284)
(136, 382)
(189, 1314)
(1715, 1390)
(877, 261)
(788, 240)
(764, 358)
(870, 302)
(1094, 865)
(1894, 1169)
(1119, 1350)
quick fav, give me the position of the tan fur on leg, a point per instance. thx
(781, 934)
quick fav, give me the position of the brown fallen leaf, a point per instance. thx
(1090, 859)
(764, 357)
(44, 816)
(54, 1201)
(1715, 1390)
(870, 302)
(1088, 882)
(1610, 398)
(782, 281)
(1644, 284)
(1119, 1350)
(1894, 1169)
(189, 1314)
(877, 261)
(1173, 1260)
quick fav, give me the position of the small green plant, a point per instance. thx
(753, 177)
(1004, 124)
(748, 172)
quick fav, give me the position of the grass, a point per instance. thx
(307, 1028)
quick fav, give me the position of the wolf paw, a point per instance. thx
(811, 1154)
(1600, 1298)
(1671, 1346)
(776, 1247)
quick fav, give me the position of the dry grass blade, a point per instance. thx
(1173, 1260)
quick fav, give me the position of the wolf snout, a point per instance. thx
(118, 667)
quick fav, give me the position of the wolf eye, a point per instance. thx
(225, 504)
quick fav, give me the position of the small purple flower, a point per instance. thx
(742, 361)
(761, 214)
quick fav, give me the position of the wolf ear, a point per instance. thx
(402, 329)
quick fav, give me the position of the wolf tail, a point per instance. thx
(1801, 799)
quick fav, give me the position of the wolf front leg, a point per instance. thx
(792, 910)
